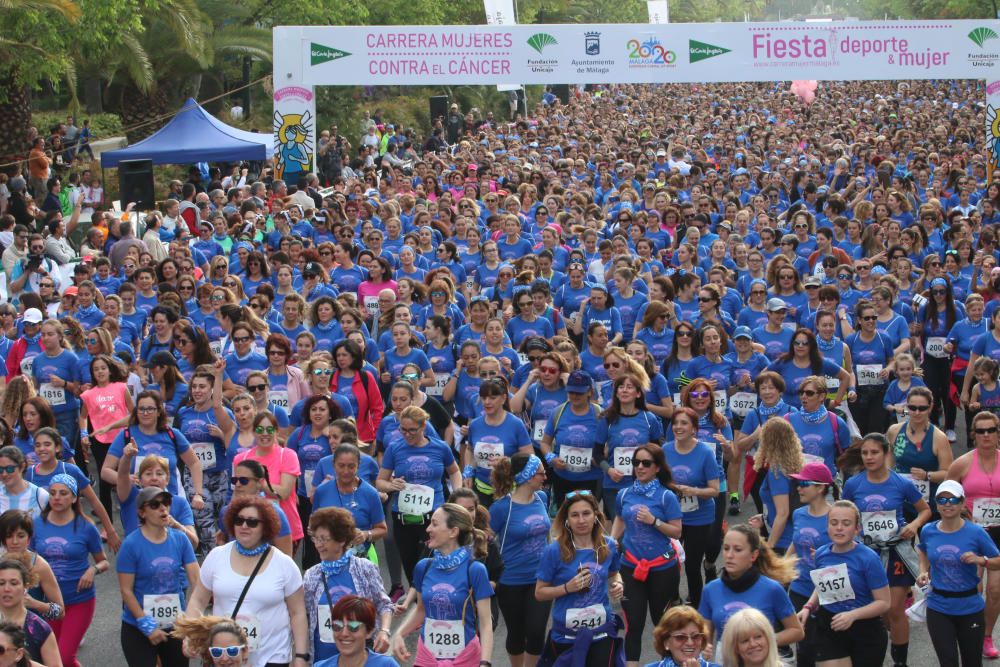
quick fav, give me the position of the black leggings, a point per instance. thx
(695, 540)
(310, 556)
(714, 547)
(957, 635)
(100, 452)
(561, 486)
(660, 589)
(937, 375)
(410, 538)
(598, 655)
(525, 617)
(139, 652)
(805, 652)
(870, 417)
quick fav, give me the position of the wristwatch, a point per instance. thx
(305, 656)
(656, 523)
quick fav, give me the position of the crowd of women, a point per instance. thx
(526, 384)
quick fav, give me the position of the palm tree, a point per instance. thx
(31, 49)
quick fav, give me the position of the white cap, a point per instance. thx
(33, 316)
(952, 487)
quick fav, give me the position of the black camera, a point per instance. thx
(34, 261)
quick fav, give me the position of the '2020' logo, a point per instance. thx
(649, 53)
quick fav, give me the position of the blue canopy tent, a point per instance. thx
(194, 135)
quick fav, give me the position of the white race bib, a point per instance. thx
(523, 357)
(27, 365)
(832, 384)
(487, 454)
(371, 305)
(440, 380)
(721, 399)
(986, 512)
(444, 639)
(677, 399)
(868, 375)
(216, 347)
(833, 584)
(162, 608)
(416, 499)
(279, 398)
(812, 458)
(688, 504)
(593, 617)
(742, 403)
(880, 525)
(52, 395)
(251, 625)
(577, 459)
(309, 477)
(538, 430)
(623, 459)
(923, 486)
(205, 451)
(325, 623)
(935, 347)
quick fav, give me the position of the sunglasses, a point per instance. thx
(409, 431)
(613, 364)
(808, 392)
(322, 371)
(231, 651)
(8, 469)
(684, 334)
(256, 387)
(917, 408)
(980, 431)
(700, 394)
(243, 481)
(643, 463)
(939, 292)
(548, 370)
(942, 500)
(247, 521)
(264, 430)
(410, 376)
(242, 339)
(844, 276)
(801, 343)
(353, 626)
(687, 637)
(868, 318)
(574, 494)
(157, 504)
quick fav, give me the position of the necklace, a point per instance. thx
(251, 553)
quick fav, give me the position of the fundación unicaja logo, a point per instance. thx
(982, 35)
(701, 51)
(540, 40)
(319, 54)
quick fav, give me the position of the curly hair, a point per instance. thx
(335, 520)
(780, 448)
(199, 633)
(270, 524)
(677, 618)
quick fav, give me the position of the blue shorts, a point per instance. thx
(897, 574)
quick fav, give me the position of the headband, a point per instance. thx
(529, 470)
(65, 480)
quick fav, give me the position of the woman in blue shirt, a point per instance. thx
(542, 392)
(654, 331)
(353, 623)
(599, 307)
(495, 435)
(453, 594)
(804, 359)
(404, 351)
(580, 572)
(570, 443)
(520, 520)
(527, 322)
(851, 594)
(154, 567)
(56, 372)
(936, 318)
(952, 551)
(647, 521)
(778, 458)
(754, 577)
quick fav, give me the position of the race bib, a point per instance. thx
(523, 357)
(742, 403)
(310, 477)
(416, 499)
(538, 430)
(216, 347)
(593, 617)
(162, 608)
(986, 512)
(833, 584)
(279, 398)
(923, 486)
(812, 458)
(832, 384)
(325, 621)
(688, 504)
(868, 375)
(27, 365)
(52, 395)
(677, 399)
(578, 459)
(444, 639)
(487, 454)
(721, 399)
(205, 451)
(371, 305)
(879, 526)
(935, 347)
(623, 459)
(440, 380)
(251, 626)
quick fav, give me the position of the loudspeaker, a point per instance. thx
(135, 178)
(561, 90)
(439, 107)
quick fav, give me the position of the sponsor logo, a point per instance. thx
(698, 51)
(592, 43)
(649, 53)
(980, 36)
(540, 40)
(319, 54)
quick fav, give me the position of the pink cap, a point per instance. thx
(814, 472)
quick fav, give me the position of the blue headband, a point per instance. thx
(939, 282)
(529, 470)
(65, 480)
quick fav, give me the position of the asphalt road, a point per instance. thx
(102, 645)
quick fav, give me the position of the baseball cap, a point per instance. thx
(817, 472)
(579, 382)
(812, 280)
(952, 487)
(312, 269)
(161, 358)
(149, 494)
(776, 304)
(33, 316)
(742, 332)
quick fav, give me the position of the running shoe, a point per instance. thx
(396, 593)
(734, 505)
(989, 651)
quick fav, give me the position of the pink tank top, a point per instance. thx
(978, 484)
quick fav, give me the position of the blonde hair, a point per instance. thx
(632, 367)
(779, 448)
(740, 626)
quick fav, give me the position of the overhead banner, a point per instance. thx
(624, 53)
(658, 10)
(501, 12)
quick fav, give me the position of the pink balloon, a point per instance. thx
(808, 96)
(812, 84)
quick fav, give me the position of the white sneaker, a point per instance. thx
(951, 435)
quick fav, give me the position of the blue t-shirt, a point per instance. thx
(237, 369)
(864, 568)
(180, 509)
(544, 403)
(948, 572)
(642, 540)
(158, 568)
(794, 376)
(775, 344)
(367, 470)
(623, 436)
(884, 496)
(696, 468)
(424, 465)
(582, 608)
(490, 443)
(569, 429)
(160, 444)
(374, 660)
(808, 534)
(445, 593)
(65, 366)
(821, 440)
(364, 503)
(719, 603)
(310, 449)
(987, 346)
(68, 549)
(776, 483)
(42, 480)
(394, 362)
(211, 451)
(522, 534)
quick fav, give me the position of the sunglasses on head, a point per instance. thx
(574, 494)
(231, 651)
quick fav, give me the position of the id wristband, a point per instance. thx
(467, 472)
(550, 457)
(147, 626)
